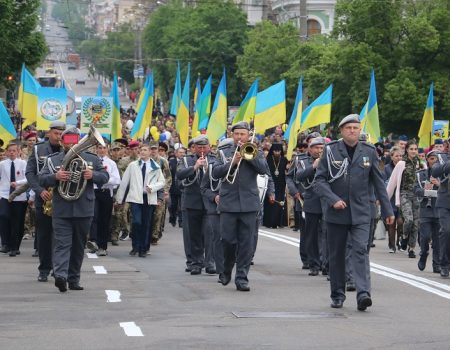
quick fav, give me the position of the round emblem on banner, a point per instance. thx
(52, 109)
(96, 110)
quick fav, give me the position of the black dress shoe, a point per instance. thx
(224, 278)
(351, 287)
(324, 272)
(364, 302)
(305, 266)
(17, 252)
(444, 272)
(210, 271)
(313, 272)
(196, 271)
(436, 269)
(61, 284)
(142, 254)
(252, 263)
(42, 277)
(422, 263)
(188, 269)
(75, 286)
(243, 287)
(132, 252)
(35, 254)
(12, 253)
(4, 249)
(337, 304)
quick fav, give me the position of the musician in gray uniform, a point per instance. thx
(71, 218)
(190, 171)
(441, 170)
(238, 206)
(35, 164)
(426, 191)
(312, 205)
(347, 170)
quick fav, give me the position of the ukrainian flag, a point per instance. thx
(370, 122)
(294, 123)
(205, 105)
(182, 121)
(426, 127)
(270, 107)
(318, 112)
(247, 108)
(99, 89)
(7, 130)
(144, 116)
(116, 124)
(143, 92)
(217, 126)
(28, 97)
(176, 93)
(197, 99)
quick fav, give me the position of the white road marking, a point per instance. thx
(92, 255)
(100, 270)
(418, 282)
(131, 329)
(113, 296)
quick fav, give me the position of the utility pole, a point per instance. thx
(303, 21)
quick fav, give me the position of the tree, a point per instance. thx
(19, 40)
(210, 36)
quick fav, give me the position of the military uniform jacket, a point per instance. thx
(306, 174)
(442, 171)
(243, 195)
(84, 206)
(425, 212)
(209, 188)
(36, 162)
(191, 180)
(353, 186)
(294, 186)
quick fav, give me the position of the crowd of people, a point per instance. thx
(220, 196)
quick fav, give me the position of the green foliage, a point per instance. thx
(19, 41)
(71, 13)
(210, 36)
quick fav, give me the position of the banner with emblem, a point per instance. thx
(440, 130)
(96, 110)
(52, 104)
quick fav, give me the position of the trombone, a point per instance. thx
(248, 151)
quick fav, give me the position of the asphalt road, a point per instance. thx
(163, 307)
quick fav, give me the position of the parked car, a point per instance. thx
(80, 82)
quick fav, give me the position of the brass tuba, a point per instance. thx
(72, 189)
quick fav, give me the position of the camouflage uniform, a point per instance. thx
(409, 204)
(160, 210)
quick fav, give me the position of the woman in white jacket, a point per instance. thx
(139, 186)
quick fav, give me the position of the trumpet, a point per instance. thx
(247, 151)
(205, 166)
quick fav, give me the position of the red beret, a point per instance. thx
(30, 134)
(133, 144)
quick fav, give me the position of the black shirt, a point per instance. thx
(350, 150)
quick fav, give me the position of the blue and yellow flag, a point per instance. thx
(7, 130)
(318, 112)
(197, 99)
(294, 123)
(247, 108)
(205, 106)
(182, 121)
(217, 125)
(426, 127)
(116, 124)
(99, 92)
(28, 97)
(143, 91)
(270, 107)
(176, 97)
(370, 122)
(145, 112)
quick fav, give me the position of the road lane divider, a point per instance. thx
(100, 270)
(413, 280)
(113, 296)
(92, 255)
(131, 329)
